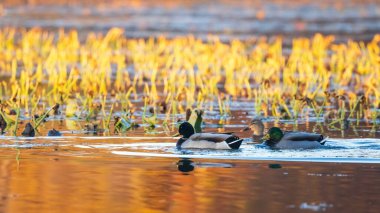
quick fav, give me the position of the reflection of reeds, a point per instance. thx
(186, 72)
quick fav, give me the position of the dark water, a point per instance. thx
(345, 19)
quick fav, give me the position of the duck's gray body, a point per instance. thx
(192, 140)
(210, 141)
(299, 140)
(278, 139)
(203, 144)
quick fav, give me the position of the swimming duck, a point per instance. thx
(194, 140)
(276, 138)
(256, 126)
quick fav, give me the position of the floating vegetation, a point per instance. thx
(102, 78)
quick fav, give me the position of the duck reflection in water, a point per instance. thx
(185, 165)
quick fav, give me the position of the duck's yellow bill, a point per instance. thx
(176, 135)
(266, 137)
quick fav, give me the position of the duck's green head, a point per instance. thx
(273, 136)
(186, 129)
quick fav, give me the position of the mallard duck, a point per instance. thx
(256, 126)
(194, 140)
(276, 138)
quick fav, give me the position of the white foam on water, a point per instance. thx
(83, 146)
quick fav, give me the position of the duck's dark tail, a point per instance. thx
(323, 141)
(234, 142)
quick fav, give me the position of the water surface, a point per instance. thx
(70, 179)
